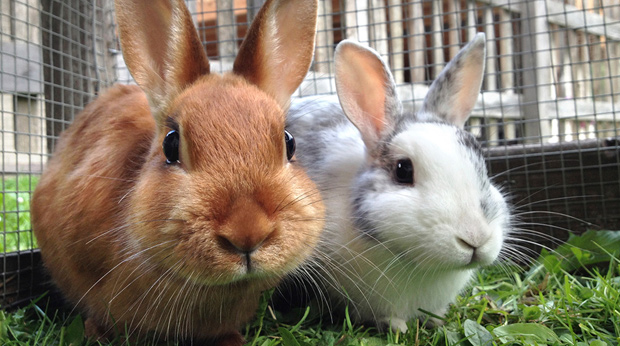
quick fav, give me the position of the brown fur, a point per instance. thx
(132, 240)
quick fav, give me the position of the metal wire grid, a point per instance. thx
(50, 54)
(549, 96)
(20, 101)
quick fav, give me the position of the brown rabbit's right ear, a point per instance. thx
(278, 47)
(161, 47)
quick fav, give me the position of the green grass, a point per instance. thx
(571, 297)
(15, 231)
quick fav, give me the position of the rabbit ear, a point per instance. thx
(453, 95)
(278, 48)
(161, 46)
(366, 90)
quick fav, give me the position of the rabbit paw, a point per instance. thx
(394, 323)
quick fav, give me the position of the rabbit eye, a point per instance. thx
(290, 145)
(404, 172)
(171, 147)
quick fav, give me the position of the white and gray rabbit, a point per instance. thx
(411, 212)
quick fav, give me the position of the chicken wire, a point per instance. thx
(546, 115)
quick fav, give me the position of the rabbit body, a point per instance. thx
(182, 248)
(411, 212)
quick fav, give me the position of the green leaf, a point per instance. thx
(583, 250)
(328, 338)
(577, 252)
(531, 312)
(3, 325)
(551, 262)
(295, 327)
(586, 293)
(74, 334)
(374, 342)
(288, 339)
(268, 342)
(477, 334)
(347, 318)
(452, 338)
(528, 332)
(598, 343)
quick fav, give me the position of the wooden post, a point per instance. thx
(591, 129)
(491, 65)
(324, 55)
(226, 30)
(356, 20)
(572, 130)
(471, 19)
(397, 43)
(614, 69)
(378, 27)
(585, 64)
(492, 130)
(416, 42)
(561, 130)
(506, 51)
(576, 68)
(598, 69)
(454, 27)
(437, 38)
(536, 60)
(510, 131)
(557, 56)
(562, 64)
(475, 126)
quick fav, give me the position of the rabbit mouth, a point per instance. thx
(245, 275)
(246, 268)
(479, 259)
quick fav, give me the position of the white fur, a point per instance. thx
(419, 252)
(424, 221)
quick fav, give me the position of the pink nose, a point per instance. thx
(247, 226)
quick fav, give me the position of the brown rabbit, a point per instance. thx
(171, 206)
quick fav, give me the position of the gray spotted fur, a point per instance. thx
(353, 177)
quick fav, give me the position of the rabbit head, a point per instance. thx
(224, 172)
(424, 192)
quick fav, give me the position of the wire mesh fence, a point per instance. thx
(547, 114)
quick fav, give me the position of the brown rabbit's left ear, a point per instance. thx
(278, 48)
(161, 46)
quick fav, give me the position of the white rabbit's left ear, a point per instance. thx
(366, 90)
(453, 95)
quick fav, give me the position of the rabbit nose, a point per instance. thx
(247, 226)
(465, 244)
(472, 241)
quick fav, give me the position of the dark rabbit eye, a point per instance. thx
(171, 147)
(404, 172)
(290, 145)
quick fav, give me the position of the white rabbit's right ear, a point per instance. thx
(366, 90)
(453, 95)
(161, 47)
